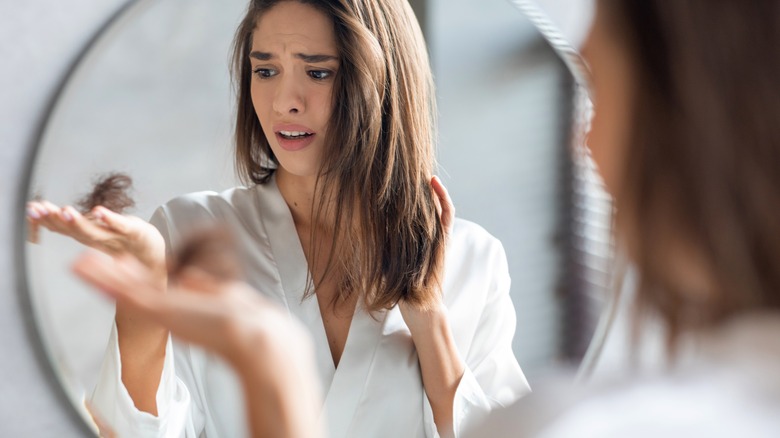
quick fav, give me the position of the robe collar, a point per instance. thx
(343, 387)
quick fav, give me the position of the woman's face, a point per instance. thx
(612, 94)
(294, 64)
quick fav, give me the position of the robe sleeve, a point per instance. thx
(111, 401)
(492, 377)
(177, 414)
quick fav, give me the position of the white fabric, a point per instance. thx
(726, 385)
(377, 389)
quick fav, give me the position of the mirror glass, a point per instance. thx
(152, 98)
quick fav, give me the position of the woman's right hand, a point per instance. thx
(141, 341)
(101, 229)
(272, 354)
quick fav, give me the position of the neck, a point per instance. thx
(299, 193)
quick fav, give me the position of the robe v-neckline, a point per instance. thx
(342, 394)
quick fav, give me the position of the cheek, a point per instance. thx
(263, 109)
(259, 102)
(324, 106)
(325, 112)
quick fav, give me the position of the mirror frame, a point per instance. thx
(582, 112)
(40, 345)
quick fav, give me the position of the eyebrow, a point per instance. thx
(265, 56)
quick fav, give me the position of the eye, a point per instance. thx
(265, 73)
(319, 75)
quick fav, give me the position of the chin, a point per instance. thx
(302, 163)
(303, 170)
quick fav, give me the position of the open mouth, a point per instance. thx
(294, 135)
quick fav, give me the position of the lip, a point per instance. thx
(296, 144)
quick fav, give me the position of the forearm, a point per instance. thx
(142, 351)
(281, 391)
(277, 409)
(441, 365)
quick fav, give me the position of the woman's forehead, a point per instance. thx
(294, 26)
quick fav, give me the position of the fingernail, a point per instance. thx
(97, 214)
(33, 214)
(67, 215)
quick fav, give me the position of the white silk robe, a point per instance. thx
(377, 390)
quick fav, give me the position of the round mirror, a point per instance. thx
(152, 98)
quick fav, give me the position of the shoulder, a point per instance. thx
(237, 201)
(209, 200)
(475, 266)
(236, 207)
(472, 242)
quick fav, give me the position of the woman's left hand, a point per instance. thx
(443, 205)
(440, 362)
(414, 317)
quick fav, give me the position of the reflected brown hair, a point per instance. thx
(379, 157)
(703, 162)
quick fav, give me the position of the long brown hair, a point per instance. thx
(379, 157)
(703, 160)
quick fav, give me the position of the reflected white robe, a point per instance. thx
(725, 383)
(377, 390)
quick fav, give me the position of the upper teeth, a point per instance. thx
(293, 133)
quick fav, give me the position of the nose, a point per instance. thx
(289, 96)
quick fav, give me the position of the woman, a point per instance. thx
(339, 226)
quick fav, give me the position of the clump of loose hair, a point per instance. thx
(211, 250)
(374, 181)
(111, 190)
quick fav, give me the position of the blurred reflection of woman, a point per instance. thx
(339, 226)
(686, 135)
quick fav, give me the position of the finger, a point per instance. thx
(67, 215)
(122, 278)
(447, 208)
(75, 225)
(436, 200)
(48, 208)
(58, 219)
(33, 216)
(125, 280)
(33, 231)
(88, 232)
(196, 279)
(33, 210)
(49, 215)
(81, 225)
(112, 220)
(127, 283)
(101, 272)
(193, 317)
